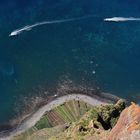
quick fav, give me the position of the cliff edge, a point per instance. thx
(102, 122)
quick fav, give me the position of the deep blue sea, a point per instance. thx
(89, 51)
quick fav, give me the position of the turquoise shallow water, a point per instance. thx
(89, 51)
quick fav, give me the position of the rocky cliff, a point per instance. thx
(104, 122)
(128, 125)
(94, 125)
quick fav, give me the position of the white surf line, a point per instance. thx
(29, 27)
(33, 119)
(121, 19)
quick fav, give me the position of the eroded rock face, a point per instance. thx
(128, 125)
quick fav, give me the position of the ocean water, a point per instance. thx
(88, 51)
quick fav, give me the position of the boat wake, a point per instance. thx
(121, 19)
(29, 27)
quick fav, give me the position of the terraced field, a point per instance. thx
(56, 118)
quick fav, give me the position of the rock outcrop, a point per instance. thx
(128, 125)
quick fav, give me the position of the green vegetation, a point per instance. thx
(97, 122)
(75, 120)
(64, 114)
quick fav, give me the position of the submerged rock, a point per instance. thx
(6, 69)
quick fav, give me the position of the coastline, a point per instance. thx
(88, 96)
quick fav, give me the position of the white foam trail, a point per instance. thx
(121, 19)
(29, 27)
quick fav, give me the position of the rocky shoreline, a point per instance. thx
(101, 97)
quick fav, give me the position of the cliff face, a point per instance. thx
(104, 122)
(128, 125)
(109, 122)
(94, 125)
